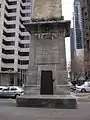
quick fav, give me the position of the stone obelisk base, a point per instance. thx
(47, 55)
(47, 101)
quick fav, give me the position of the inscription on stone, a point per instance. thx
(50, 36)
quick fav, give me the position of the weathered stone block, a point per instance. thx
(47, 9)
(53, 101)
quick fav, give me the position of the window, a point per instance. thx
(6, 69)
(87, 34)
(88, 85)
(10, 18)
(20, 20)
(9, 26)
(25, 7)
(26, 45)
(9, 34)
(1, 88)
(24, 37)
(23, 53)
(26, 1)
(7, 51)
(26, 21)
(10, 10)
(22, 29)
(18, 70)
(23, 45)
(11, 2)
(6, 89)
(23, 62)
(8, 43)
(85, 13)
(24, 14)
(7, 60)
(13, 89)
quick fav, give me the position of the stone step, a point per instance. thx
(47, 101)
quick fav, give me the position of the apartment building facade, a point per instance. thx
(78, 24)
(78, 34)
(14, 41)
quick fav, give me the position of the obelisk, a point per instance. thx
(47, 50)
(47, 9)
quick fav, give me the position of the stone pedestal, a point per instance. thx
(47, 53)
(45, 101)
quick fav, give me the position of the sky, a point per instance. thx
(67, 11)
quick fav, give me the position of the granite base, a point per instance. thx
(47, 101)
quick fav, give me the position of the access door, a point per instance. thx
(46, 83)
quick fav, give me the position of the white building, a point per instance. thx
(14, 40)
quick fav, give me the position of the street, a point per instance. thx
(9, 111)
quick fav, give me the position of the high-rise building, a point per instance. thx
(78, 24)
(14, 40)
(86, 21)
(78, 35)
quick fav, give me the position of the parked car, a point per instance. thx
(83, 88)
(11, 91)
(2, 87)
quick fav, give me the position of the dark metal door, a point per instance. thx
(46, 83)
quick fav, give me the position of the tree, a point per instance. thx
(77, 66)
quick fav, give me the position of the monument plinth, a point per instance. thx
(47, 75)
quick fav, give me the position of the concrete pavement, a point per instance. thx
(9, 111)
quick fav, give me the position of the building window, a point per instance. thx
(23, 53)
(9, 34)
(10, 18)
(11, 2)
(23, 62)
(8, 43)
(26, 21)
(9, 26)
(26, 1)
(7, 60)
(25, 7)
(23, 45)
(85, 13)
(22, 29)
(24, 37)
(87, 34)
(10, 10)
(7, 51)
(6, 69)
(25, 14)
